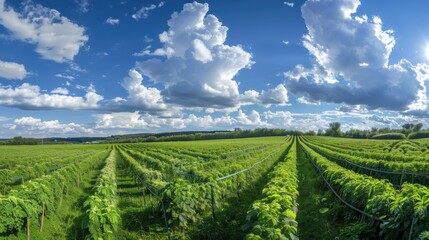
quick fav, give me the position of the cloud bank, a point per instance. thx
(351, 60)
(30, 97)
(197, 68)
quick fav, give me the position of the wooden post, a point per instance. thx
(28, 228)
(412, 226)
(165, 219)
(43, 217)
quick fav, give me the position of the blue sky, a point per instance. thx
(92, 68)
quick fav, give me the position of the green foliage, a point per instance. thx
(417, 127)
(418, 135)
(30, 162)
(274, 216)
(185, 174)
(142, 172)
(192, 136)
(190, 202)
(21, 141)
(389, 136)
(103, 215)
(405, 212)
(187, 203)
(27, 200)
(13, 212)
(371, 159)
(334, 129)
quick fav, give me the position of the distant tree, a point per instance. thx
(151, 139)
(334, 129)
(311, 133)
(408, 126)
(356, 133)
(384, 130)
(22, 141)
(319, 132)
(417, 127)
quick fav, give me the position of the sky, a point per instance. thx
(100, 68)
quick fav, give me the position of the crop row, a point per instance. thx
(396, 172)
(42, 196)
(103, 215)
(19, 173)
(274, 216)
(190, 202)
(370, 153)
(401, 214)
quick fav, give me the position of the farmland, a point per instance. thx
(286, 187)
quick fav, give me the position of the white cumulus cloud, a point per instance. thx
(134, 121)
(199, 68)
(112, 21)
(62, 91)
(124, 120)
(55, 36)
(139, 97)
(351, 56)
(38, 127)
(29, 96)
(11, 70)
(276, 96)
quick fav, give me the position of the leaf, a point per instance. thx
(324, 210)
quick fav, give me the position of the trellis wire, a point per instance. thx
(367, 168)
(336, 194)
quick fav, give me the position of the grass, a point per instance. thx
(231, 216)
(141, 219)
(67, 221)
(314, 203)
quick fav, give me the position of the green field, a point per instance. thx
(248, 188)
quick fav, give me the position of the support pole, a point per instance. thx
(166, 220)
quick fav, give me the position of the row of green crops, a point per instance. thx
(19, 155)
(103, 215)
(30, 202)
(212, 181)
(389, 150)
(396, 172)
(274, 216)
(148, 175)
(403, 214)
(370, 153)
(192, 202)
(17, 174)
(167, 159)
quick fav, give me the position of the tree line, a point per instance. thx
(237, 133)
(19, 141)
(408, 130)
